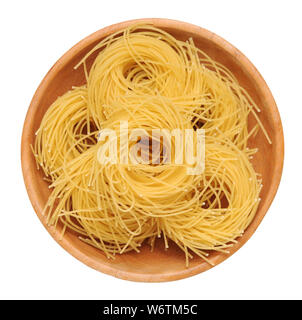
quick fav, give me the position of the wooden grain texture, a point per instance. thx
(159, 265)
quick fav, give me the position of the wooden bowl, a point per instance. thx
(159, 265)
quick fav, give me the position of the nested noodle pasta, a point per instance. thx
(65, 132)
(144, 76)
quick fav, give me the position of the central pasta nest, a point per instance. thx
(147, 78)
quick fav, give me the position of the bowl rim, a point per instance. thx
(26, 154)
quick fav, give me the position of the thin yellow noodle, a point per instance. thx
(146, 77)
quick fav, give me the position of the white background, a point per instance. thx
(34, 34)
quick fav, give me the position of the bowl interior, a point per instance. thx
(159, 265)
